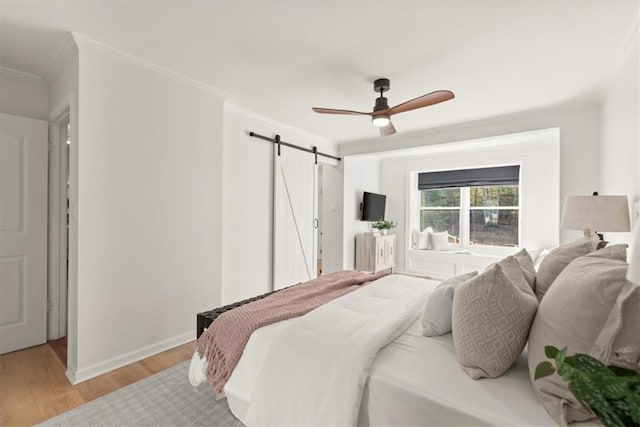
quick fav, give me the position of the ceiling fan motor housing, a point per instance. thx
(381, 104)
(381, 85)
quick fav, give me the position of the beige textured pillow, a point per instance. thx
(559, 258)
(511, 267)
(526, 265)
(492, 314)
(591, 308)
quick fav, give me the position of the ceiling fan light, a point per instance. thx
(381, 120)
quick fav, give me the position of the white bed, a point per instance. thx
(414, 380)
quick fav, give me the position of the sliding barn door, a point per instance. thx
(295, 207)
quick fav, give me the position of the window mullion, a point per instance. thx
(465, 202)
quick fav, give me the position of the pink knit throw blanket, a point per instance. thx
(223, 342)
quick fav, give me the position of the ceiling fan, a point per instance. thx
(381, 114)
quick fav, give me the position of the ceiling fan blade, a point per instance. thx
(423, 101)
(389, 129)
(335, 111)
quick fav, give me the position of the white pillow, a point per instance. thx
(436, 318)
(440, 241)
(421, 240)
(427, 232)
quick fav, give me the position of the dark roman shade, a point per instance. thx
(503, 175)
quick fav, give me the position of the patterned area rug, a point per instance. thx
(164, 399)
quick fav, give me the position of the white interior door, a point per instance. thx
(330, 213)
(294, 228)
(23, 232)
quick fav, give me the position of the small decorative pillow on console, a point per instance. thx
(592, 309)
(492, 314)
(436, 318)
(559, 258)
(440, 241)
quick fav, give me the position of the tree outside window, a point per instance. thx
(477, 215)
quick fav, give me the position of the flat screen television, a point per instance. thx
(373, 206)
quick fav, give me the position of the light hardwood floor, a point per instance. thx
(33, 385)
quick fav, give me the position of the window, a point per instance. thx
(475, 206)
(493, 215)
(440, 210)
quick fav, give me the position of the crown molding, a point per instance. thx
(59, 60)
(19, 74)
(86, 43)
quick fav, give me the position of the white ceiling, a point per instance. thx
(281, 58)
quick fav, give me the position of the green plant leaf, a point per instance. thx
(550, 351)
(631, 406)
(566, 369)
(610, 392)
(587, 363)
(623, 372)
(544, 369)
(560, 356)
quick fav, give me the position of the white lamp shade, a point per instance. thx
(633, 274)
(598, 213)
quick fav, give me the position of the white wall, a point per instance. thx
(23, 95)
(619, 160)
(149, 160)
(361, 173)
(539, 201)
(579, 144)
(247, 200)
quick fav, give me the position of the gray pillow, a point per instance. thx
(492, 314)
(618, 252)
(436, 319)
(559, 258)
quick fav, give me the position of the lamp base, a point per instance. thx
(588, 232)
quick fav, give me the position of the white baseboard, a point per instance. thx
(76, 376)
(71, 374)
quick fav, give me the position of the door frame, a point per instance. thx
(68, 104)
(57, 297)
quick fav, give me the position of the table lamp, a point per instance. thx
(596, 213)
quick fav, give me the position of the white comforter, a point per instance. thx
(412, 381)
(317, 368)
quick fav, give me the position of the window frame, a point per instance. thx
(465, 209)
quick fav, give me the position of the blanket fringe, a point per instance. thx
(217, 372)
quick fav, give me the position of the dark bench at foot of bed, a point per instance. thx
(206, 318)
